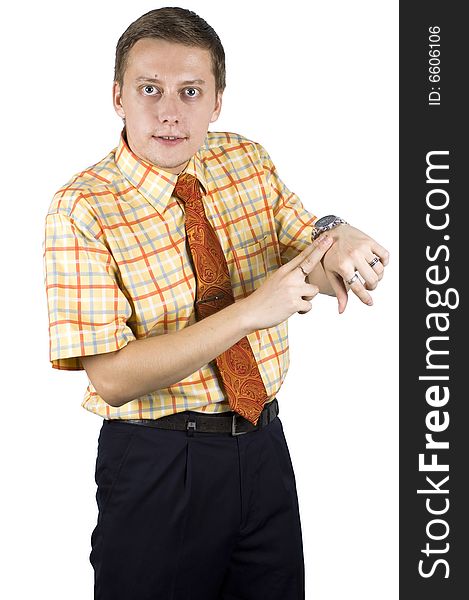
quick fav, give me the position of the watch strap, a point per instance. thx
(333, 222)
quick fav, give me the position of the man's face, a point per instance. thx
(168, 91)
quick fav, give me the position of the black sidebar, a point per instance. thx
(434, 268)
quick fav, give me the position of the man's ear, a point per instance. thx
(217, 109)
(117, 100)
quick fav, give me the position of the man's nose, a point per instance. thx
(168, 110)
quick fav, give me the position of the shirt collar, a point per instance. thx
(153, 183)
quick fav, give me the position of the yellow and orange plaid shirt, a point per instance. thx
(117, 268)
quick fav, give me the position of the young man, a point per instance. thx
(172, 266)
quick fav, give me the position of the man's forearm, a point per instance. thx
(157, 362)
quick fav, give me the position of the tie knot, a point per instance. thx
(187, 188)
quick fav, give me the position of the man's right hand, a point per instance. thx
(286, 291)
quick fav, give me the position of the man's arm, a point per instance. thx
(146, 365)
(153, 363)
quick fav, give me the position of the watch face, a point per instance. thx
(324, 221)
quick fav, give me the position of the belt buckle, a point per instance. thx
(233, 426)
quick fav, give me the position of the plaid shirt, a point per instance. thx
(117, 267)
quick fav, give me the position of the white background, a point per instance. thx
(316, 83)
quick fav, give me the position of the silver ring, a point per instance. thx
(374, 261)
(302, 270)
(352, 279)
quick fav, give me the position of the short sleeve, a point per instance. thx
(88, 312)
(294, 224)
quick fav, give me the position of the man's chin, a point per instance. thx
(174, 167)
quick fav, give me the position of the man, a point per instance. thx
(172, 266)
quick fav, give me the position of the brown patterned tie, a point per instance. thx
(237, 365)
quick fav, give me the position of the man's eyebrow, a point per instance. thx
(187, 82)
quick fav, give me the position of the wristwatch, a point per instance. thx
(326, 223)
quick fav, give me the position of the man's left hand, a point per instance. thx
(351, 263)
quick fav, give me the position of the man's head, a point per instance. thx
(168, 82)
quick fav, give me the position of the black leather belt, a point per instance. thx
(191, 421)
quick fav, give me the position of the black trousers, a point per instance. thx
(205, 517)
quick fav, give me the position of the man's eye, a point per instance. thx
(149, 90)
(191, 92)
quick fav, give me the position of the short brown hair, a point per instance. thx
(172, 24)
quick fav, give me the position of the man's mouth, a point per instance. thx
(169, 140)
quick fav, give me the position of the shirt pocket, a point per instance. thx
(247, 263)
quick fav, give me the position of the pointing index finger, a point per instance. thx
(312, 259)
